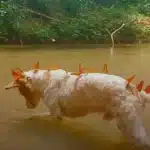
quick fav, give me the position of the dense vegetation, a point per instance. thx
(40, 21)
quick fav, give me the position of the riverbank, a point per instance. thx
(87, 22)
(71, 44)
(143, 37)
(85, 46)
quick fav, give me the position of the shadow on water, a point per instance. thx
(41, 132)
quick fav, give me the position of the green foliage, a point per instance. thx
(73, 20)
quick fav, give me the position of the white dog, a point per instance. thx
(75, 96)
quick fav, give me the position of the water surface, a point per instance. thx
(23, 129)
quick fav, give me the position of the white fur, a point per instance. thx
(72, 96)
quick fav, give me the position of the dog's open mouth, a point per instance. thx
(11, 85)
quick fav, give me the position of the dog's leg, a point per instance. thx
(55, 112)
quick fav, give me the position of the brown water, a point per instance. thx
(23, 129)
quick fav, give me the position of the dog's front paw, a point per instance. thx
(59, 118)
(107, 116)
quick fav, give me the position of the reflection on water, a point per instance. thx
(24, 129)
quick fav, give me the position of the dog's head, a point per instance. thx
(31, 84)
(24, 82)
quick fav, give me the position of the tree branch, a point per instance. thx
(39, 14)
(1, 37)
(112, 34)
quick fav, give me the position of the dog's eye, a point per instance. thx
(29, 79)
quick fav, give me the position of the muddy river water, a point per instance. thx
(24, 129)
